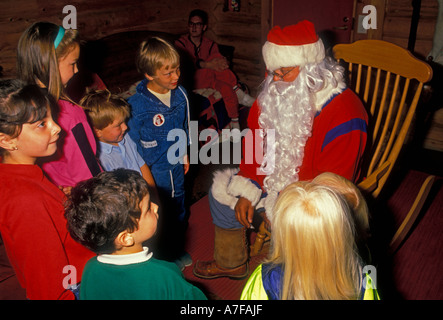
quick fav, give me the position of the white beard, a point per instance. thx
(289, 110)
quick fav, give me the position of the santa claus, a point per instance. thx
(319, 126)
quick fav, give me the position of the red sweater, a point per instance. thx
(337, 143)
(33, 228)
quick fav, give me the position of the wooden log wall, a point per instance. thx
(96, 19)
(398, 19)
(396, 28)
(394, 23)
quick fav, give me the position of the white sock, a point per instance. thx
(244, 98)
(235, 136)
(235, 124)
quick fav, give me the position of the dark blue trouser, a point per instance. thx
(172, 212)
(222, 215)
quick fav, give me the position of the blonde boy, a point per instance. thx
(108, 114)
(159, 106)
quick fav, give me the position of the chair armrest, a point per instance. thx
(412, 215)
(370, 183)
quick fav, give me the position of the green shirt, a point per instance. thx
(135, 277)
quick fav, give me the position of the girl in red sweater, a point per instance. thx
(47, 261)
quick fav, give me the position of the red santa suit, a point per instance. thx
(336, 145)
(338, 135)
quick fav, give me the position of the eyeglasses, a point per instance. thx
(280, 76)
(196, 24)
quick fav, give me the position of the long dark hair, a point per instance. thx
(22, 103)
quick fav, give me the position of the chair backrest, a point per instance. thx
(389, 80)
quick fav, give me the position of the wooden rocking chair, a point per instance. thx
(389, 81)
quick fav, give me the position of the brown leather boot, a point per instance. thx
(230, 256)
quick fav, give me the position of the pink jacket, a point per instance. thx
(76, 153)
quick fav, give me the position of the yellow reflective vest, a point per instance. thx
(254, 288)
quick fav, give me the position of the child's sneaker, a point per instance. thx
(179, 264)
(186, 259)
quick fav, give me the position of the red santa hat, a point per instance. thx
(294, 45)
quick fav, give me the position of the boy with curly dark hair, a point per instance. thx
(111, 215)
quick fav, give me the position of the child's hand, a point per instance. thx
(66, 190)
(186, 163)
(218, 64)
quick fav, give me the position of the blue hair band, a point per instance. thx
(60, 34)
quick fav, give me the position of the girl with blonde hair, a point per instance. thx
(313, 253)
(354, 198)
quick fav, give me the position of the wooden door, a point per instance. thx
(332, 18)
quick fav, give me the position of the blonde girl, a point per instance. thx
(313, 252)
(47, 55)
(354, 198)
(32, 222)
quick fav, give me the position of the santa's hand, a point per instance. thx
(186, 163)
(244, 212)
